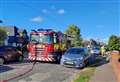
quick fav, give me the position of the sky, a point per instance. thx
(97, 19)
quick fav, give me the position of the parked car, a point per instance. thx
(10, 53)
(75, 57)
(95, 51)
(107, 56)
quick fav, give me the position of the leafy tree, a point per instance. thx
(114, 43)
(118, 44)
(3, 35)
(74, 32)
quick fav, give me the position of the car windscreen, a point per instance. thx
(96, 48)
(75, 51)
(1, 49)
(41, 38)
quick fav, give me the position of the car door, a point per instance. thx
(87, 55)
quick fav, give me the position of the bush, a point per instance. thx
(3, 35)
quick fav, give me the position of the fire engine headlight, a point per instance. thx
(43, 46)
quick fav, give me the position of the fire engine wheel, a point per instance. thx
(2, 61)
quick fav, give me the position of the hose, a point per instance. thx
(33, 65)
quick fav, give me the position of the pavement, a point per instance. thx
(42, 72)
(107, 72)
(116, 65)
(104, 73)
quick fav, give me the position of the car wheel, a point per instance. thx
(20, 58)
(2, 61)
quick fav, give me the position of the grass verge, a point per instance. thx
(85, 74)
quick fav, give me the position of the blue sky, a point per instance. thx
(97, 19)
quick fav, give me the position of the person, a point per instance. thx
(102, 49)
(18, 48)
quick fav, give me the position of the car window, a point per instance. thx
(1, 49)
(10, 49)
(96, 48)
(86, 52)
(76, 51)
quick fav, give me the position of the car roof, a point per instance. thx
(79, 48)
(7, 47)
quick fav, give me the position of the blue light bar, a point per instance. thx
(46, 30)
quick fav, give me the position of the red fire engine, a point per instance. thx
(46, 45)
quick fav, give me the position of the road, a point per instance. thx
(42, 72)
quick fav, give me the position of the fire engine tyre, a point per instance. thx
(20, 59)
(2, 61)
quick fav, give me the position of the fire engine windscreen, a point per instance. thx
(41, 38)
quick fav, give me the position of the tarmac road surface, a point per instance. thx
(42, 72)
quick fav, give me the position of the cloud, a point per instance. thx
(37, 19)
(44, 11)
(61, 11)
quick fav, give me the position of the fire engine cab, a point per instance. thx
(46, 45)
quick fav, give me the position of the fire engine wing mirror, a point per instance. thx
(55, 39)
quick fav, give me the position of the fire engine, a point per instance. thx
(46, 45)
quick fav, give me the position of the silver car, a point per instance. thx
(75, 57)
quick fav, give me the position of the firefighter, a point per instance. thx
(102, 50)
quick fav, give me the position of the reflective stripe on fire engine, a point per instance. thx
(49, 59)
(46, 59)
(41, 59)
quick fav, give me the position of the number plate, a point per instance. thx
(69, 62)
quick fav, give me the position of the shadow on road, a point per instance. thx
(5, 68)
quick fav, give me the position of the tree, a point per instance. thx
(74, 32)
(118, 44)
(3, 35)
(114, 43)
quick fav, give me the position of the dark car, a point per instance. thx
(75, 57)
(95, 51)
(10, 53)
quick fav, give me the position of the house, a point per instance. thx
(14, 35)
